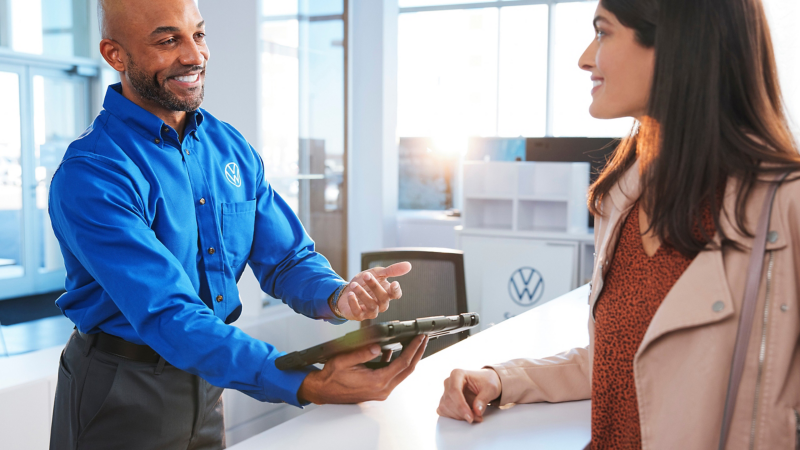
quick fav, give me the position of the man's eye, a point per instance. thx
(200, 36)
(169, 41)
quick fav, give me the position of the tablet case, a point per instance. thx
(387, 334)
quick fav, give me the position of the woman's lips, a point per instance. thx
(597, 83)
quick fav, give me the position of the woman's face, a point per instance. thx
(621, 68)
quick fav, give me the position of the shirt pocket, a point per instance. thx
(238, 224)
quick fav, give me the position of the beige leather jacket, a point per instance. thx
(682, 367)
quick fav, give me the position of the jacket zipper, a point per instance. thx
(796, 430)
(763, 349)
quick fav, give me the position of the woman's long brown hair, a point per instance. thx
(715, 110)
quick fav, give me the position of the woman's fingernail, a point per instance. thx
(479, 405)
(367, 276)
(353, 285)
(375, 350)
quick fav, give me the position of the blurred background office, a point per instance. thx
(366, 114)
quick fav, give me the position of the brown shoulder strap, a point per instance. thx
(748, 308)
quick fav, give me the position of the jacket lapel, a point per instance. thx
(691, 301)
(620, 201)
(700, 296)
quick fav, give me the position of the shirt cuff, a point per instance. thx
(286, 382)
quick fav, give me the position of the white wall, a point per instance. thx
(372, 147)
(783, 17)
(233, 76)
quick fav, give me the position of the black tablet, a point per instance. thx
(386, 334)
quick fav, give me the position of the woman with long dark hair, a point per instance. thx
(676, 210)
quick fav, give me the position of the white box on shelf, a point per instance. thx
(489, 214)
(490, 180)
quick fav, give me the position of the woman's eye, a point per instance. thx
(599, 34)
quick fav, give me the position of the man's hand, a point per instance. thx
(467, 392)
(345, 379)
(370, 292)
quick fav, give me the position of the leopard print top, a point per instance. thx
(634, 288)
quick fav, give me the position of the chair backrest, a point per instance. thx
(435, 287)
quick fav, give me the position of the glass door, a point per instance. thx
(60, 115)
(42, 111)
(303, 116)
(13, 275)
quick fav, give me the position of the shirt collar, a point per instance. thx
(140, 120)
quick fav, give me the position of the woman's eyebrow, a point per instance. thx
(600, 18)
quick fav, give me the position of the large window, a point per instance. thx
(468, 70)
(506, 69)
(45, 100)
(45, 27)
(303, 115)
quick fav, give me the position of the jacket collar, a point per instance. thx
(629, 189)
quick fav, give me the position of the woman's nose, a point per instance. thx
(586, 61)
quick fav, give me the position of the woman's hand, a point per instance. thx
(467, 392)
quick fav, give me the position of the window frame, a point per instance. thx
(28, 65)
(304, 211)
(549, 101)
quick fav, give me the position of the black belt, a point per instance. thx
(120, 347)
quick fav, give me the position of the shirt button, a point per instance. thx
(718, 306)
(187, 151)
(211, 251)
(202, 201)
(165, 129)
(157, 141)
(219, 298)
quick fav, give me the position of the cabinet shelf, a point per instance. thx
(526, 196)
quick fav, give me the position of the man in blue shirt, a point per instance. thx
(158, 207)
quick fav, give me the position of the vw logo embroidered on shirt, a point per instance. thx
(233, 175)
(526, 286)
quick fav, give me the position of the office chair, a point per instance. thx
(435, 287)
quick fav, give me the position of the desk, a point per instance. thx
(408, 419)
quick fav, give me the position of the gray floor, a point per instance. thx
(34, 335)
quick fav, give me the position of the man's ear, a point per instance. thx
(112, 53)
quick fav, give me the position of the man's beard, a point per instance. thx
(149, 89)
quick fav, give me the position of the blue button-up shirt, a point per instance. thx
(156, 231)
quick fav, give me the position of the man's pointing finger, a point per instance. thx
(395, 270)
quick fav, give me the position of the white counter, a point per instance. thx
(408, 419)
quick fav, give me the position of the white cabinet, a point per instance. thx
(525, 235)
(510, 273)
(526, 196)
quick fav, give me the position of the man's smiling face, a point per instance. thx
(164, 51)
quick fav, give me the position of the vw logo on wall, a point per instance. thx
(526, 286)
(233, 175)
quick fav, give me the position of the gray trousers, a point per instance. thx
(108, 402)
